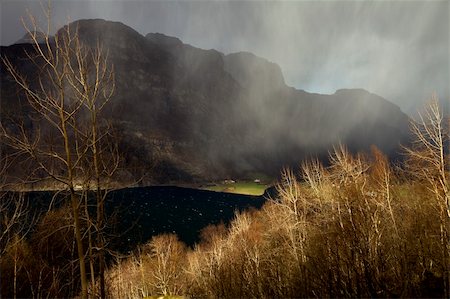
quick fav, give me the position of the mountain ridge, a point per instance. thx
(213, 115)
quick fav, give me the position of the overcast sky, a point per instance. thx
(397, 49)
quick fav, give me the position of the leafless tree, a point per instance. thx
(70, 142)
(428, 161)
(15, 222)
(428, 154)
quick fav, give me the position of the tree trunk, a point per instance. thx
(79, 240)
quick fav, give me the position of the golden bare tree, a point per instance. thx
(428, 156)
(428, 162)
(69, 142)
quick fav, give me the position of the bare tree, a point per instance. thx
(15, 215)
(15, 222)
(428, 161)
(69, 143)
(427, 156)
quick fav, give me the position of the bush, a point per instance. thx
(354, 229)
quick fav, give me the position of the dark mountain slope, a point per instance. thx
(28, 37)
(207, 115)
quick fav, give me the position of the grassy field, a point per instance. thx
(247, 188)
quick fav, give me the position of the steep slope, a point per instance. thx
(206, 115)
(28, 37)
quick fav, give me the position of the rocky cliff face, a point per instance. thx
(206, 115)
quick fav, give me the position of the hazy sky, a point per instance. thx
(397, 49)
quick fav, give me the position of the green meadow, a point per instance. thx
(246, 188)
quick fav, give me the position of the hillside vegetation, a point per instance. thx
(99, 106)
(358, 228)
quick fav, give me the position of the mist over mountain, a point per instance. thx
(202, 115)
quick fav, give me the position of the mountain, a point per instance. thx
(28, 37)
(206, 115)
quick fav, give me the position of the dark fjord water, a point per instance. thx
(140, 213)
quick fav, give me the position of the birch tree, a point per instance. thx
(70, 143)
